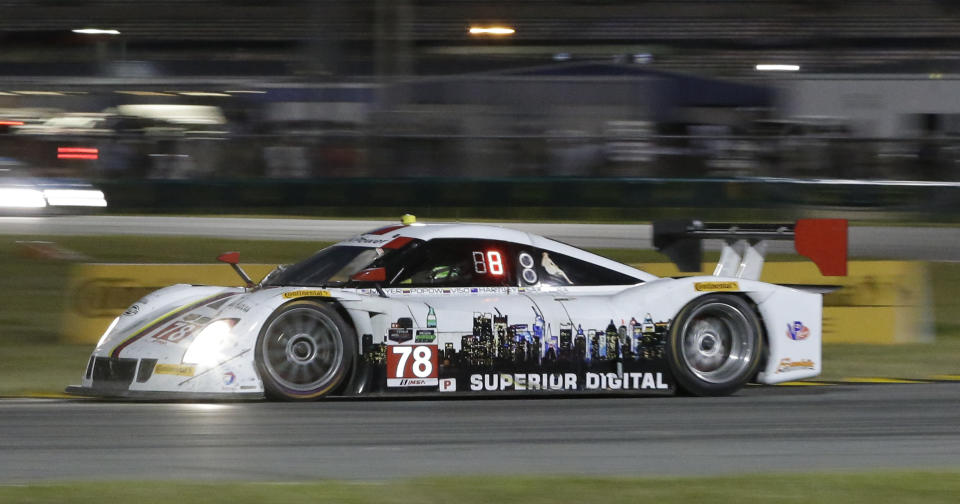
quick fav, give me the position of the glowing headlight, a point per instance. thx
(15, 197)
(206, 347)
(75, 197)
(108, 331)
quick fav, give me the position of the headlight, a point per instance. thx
(108, 331)
(15, 197)
(75, 197)
(206, 349)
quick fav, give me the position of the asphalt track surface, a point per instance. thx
(897, 242)
(762, 429)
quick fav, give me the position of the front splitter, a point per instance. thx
(147, 395)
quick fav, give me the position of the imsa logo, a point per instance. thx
(411, 382)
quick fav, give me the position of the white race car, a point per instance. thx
(476, 309)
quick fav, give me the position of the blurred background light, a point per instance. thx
(769, 67)
(96, 31)
(78, 153)
(15, 197)
(203, 93)
(491, 30)
(144, 93)
(40, 93)
(75, 197)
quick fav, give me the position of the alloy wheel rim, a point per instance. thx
(302, 349)
(717, 342)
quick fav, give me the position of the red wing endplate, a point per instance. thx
(823, 241)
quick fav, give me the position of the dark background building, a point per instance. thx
(299, 90)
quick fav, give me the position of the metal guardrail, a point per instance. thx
(537, 197)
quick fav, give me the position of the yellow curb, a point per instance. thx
(949, 377)
(38, 395)
(879, 380)
(804, 384)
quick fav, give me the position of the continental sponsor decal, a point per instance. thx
(174, 369)
(787, 364)
(306, 293)
(716, 286)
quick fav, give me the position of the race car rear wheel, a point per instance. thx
(305, 350)
(715, 345)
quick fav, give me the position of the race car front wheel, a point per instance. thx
(715, 345)
(304, 351)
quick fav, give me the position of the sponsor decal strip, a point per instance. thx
(166, 317)
(786, 364)
(566, 381)
(797, 331)
(306, 293)
(716, 286)
(175, 369)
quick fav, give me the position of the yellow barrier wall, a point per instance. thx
(879, 302)
(99, 292)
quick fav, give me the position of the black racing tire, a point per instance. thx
(715, 345)
(305, 351)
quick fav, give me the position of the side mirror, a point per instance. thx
(233, 259)
(229, 257)
(370, 275)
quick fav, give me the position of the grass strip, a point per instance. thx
(878, 487)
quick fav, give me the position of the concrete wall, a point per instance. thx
(874, 105)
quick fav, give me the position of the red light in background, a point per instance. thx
(78, 153)
(11, 123)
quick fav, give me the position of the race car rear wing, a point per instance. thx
(824, 241)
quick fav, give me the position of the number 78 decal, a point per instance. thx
(412, 366)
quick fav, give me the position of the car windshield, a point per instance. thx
(330, 266)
